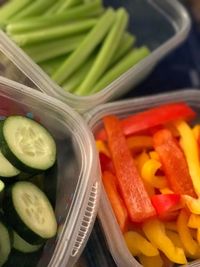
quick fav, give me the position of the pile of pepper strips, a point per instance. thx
(150, 165)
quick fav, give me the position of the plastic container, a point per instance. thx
(78, 175)
(161, 25)
(114, 237)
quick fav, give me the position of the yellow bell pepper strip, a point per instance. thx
(191, 246)
(194, 221)
(155, 232)
(154, 155)
(138, 244)
(166, 190)
(102, 147)
(196, 131)
(136, 199)
(140, 161)
(165, 204)
(174, 163)
(149, 170)
(140, 142)
(110, 184)
(155, 261)
(171, 226)
(190, 148)
(153, 117)
(175, 238)
(193, 204)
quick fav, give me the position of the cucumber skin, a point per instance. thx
(16, 222)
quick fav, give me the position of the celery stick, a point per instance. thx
(66, 4)
(93, 38)
(122, 66)
(76, 79)
(11, 8)
(106, 52)
(80, 12)
(54, 32)
(53, 9)
(52, 65)
(125, 45)
(48, 50)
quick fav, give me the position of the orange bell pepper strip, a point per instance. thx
(153, 117)
(131, 186)
(155, 261)
(140, 142)
(174, 163)
(190, 147)
(155, 232)
(110, 184)
(137, 244)
(191, 246)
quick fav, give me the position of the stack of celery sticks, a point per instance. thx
(81, 44)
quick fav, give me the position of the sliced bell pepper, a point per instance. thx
(191, 151)
(193, 204)
(191, 246)
(155, 261)
(174, 163)
(137, 201)
(194, 221)
(106, 163)
(137, 244)
(140, 142)
(167, 203)
(102, 147)
(153, 117)
(110, 184)
(155, 232)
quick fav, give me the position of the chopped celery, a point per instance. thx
(85, 49)
(75, 13)
(37, 7)
(106, 52)
(11, 8)
(48, 50)
(122, 66)
(54, 32)
(54, 8)
(67, 4)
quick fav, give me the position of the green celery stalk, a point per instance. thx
(122, 66)
(85, 49)
(37, 7)
(48, 50)
(67, 4)
(39, 22)
(125, 46)
(11, 8)
(77, 78)
(54, 32)
(52, 65)
(53, 9)
(106, 52)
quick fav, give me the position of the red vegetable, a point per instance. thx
(153, 117)
(137, 201)
(174, 163)
(110, 184)
(164, 204)
(106, 163)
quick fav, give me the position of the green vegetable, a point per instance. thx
(54, 32)
(48, 50)
(50, 66)
(85, 49)
(66, 4)
(5, 241)
(53, 8)
(122, 66)
(39, 22)
(106, 53)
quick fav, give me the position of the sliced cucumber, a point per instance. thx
(29, 212)
(27, 144)
(5, 242)
(6, 168)
(21, 245)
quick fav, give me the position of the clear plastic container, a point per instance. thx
(114, 237)
(78, 174)
(161, 25)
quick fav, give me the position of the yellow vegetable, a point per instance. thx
(194, 221)
(155, 261)
(154, 155)
(196, 131)
(155, 232)
(138, 244)
(102, 147)
(193, 204)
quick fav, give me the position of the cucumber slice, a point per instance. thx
(29, 212)
(21, 245)
(6, 168)
(27, 144)
(5, 242)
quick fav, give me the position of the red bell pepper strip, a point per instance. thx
(174, 163)
(152, 118)
(166, 203)
(106, 163)
(111, 184)
(137, 201)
